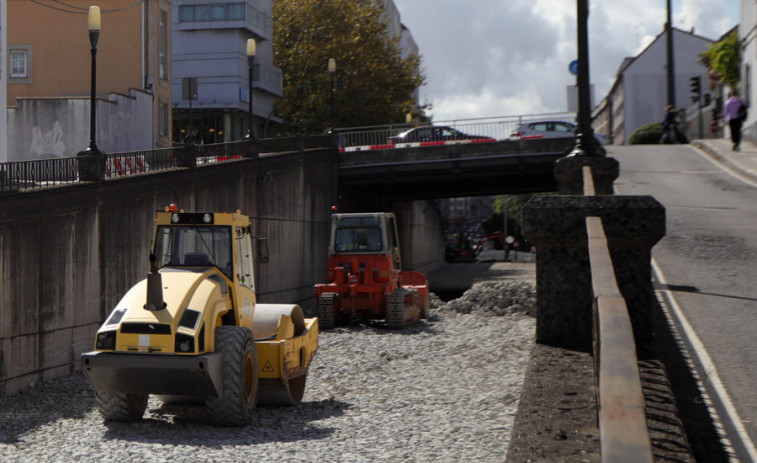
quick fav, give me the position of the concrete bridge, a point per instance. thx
(455, 170)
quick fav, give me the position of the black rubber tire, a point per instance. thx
(326, 311)
(116, 406)
(239, 396)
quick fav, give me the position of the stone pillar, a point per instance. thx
(568, 172)
(633, 224)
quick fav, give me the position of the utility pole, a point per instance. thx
(671, 64)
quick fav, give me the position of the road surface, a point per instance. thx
(706, 267)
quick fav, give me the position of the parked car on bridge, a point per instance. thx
(435, 133)
(551, 129)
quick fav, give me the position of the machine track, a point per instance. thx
(402, 308)
(326, 311)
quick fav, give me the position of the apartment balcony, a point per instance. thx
(227, 15)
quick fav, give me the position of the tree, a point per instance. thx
(724, 60)
(377, 81)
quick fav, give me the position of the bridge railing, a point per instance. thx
(22, 176)
(42, 173)
(138, 162)
(498, 128)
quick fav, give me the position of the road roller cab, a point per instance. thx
(193, 328)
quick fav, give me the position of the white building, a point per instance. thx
(748, 40)
(397, 29)
(639, 94)
(3, 84)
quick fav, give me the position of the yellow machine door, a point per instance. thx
(244, 277)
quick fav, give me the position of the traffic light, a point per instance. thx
(696, 88)
(707, 99)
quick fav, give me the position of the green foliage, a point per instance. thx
(650, 134)
(724, 60)
(378, 82)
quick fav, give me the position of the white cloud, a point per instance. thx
(493, 57)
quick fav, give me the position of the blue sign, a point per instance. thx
(573, 67)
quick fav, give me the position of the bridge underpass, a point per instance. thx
(455, 170)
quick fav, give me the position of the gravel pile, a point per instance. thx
(443, 390)
(498, 298)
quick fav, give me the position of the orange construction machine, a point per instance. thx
(365, 277)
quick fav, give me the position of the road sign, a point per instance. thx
(573, 67)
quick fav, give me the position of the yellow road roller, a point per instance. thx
(192, 330)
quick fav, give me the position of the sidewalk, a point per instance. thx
(743, 162)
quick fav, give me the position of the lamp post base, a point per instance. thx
(91, 165)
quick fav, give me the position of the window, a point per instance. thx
(163, 46)
(18, 64)
(237, 11)
(163, 110)
(204, 246)
(218, 12)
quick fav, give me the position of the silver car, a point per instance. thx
(550, 129)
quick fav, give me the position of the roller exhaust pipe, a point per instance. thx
(154, 287)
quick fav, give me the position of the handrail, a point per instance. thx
(623, 431)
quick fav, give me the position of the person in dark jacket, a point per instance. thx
(668, 125)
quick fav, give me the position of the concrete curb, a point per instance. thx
(725, 160)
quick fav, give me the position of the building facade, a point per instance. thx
(639, 93)
(748, 39)
(211, 85)
(3, 84)
(406, 41)
(48, 56)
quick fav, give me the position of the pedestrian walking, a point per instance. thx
(668, 125)
(734, 114)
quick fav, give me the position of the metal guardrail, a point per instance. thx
(38, 174)
(139, 162)
(23, 176)
(20, 176)
(623, 431)
(499, 128)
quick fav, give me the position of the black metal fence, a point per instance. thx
(140, 162)
(20, 176)
(42, 173)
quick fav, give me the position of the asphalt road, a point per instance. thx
(708, 264)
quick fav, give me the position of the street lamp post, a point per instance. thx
(585, 142)
(251, 48)
(93, 24)
(92, 160)
(332, 72)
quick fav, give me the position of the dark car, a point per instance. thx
(434, 133)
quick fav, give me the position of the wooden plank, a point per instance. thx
(624, 436)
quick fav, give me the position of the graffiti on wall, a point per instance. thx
(48, 144)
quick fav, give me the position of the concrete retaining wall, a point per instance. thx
(68, 255)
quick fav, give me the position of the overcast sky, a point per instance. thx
(487, 58)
